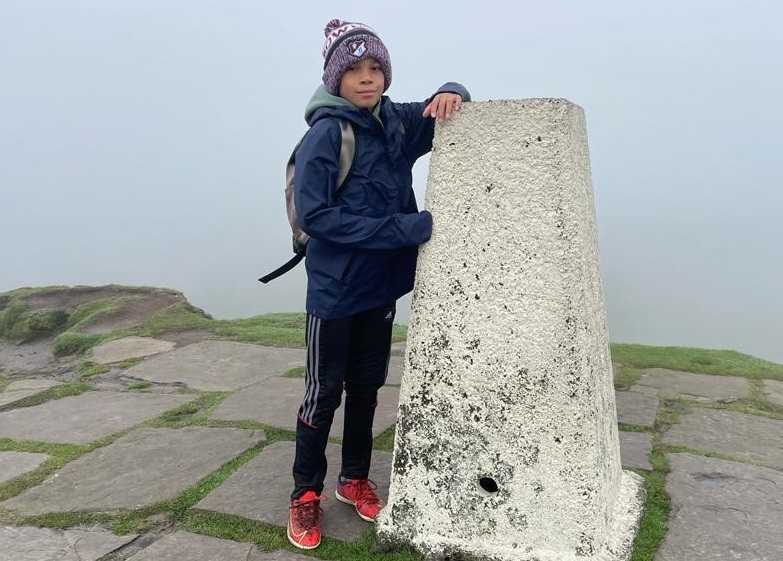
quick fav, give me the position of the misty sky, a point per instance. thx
(143, 142)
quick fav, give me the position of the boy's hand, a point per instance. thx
(443, 106)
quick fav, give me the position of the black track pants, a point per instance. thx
(350, 353)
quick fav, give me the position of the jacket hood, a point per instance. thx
(335, 106)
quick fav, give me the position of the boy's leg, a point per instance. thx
(325, 369)
(368, 364)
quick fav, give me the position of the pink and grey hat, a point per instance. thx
(346, 44)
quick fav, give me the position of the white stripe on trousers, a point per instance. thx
(312, 384)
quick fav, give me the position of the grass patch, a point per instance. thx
(140, 385)
(399, 332)
(88, 311)
(19, 324)
(625, 376)
(275, 330)
(295, 372)
(278, 435)
(653, 524)
(66, 520)
(271, 538)
(129, 362)
(194, 412)
(55, 392)
(687, 359)
(72, 342)
(87, 369)
(385, 440)
(179, 317)
(628, 427)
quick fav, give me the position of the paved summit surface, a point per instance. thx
(199, 407)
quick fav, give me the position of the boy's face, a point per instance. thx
(362, 84)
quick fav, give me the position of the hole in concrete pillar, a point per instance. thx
(488, 484)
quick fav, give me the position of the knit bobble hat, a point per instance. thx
(346, 44)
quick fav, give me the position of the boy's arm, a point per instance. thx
(320, 213)
(419, 118)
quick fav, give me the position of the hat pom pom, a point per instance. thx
(331, 25)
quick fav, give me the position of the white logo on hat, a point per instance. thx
(357, 48)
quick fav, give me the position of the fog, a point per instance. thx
(144, 143)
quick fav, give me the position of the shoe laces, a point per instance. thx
(365, 491)
(308, 513)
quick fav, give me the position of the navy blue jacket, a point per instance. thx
(364, 238)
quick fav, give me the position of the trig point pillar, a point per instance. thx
(507, 445)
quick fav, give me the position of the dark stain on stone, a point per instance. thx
(713, 478)
(518, 519)
(456, 287)
(585, 547)
(402, 511)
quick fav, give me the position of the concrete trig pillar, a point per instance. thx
(507, 445)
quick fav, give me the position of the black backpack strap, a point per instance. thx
(283, 269)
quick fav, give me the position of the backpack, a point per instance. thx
(300, 238)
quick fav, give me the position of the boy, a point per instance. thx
(361, 258)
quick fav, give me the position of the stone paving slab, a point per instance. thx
(261, 490)
(42, 544)
(635, 448)
(144, 467)
(722, 511)
(13, 464)
(20, 389)
(398, 349)
(394, 377)
(773, 389)
(673, 383)
(186, 546)
(86, 417)
(218, 365)
(275, 402)
(735, 434)
(636, 407)
(129, 347)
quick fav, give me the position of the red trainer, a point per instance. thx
(361, 494)
(304, 521)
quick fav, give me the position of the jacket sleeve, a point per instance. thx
(420, 130)
(320, 212)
